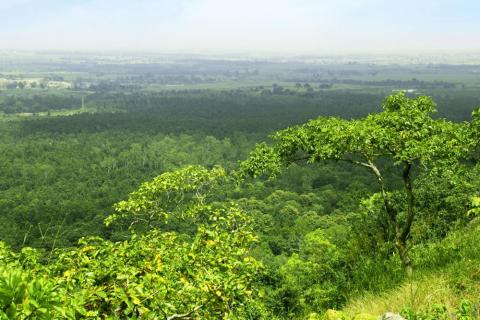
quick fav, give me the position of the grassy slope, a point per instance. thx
(448, 273)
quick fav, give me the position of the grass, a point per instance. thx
(440, 282)
(420, 294)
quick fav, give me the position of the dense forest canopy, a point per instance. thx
(126, 191)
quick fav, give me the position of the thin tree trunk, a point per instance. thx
(401, 233)
(404, 257)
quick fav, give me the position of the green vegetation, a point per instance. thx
(402, 136)
(207, 272)
(124, 197)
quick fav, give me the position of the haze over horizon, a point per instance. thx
(250, 27)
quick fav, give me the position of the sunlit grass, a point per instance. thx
(449, 285)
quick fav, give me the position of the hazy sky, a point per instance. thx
(244, 26)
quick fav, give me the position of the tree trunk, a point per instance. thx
(402, 236)
(404, 257)
(401, 232)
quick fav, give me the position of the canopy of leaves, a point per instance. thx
(208, 274)
(181, 193)
(404, 132)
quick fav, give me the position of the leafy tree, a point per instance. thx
(314, 276)
(205, 273)
(403, 138)
(475, 134)
(12, 85)
(179, 194)
(475, 210)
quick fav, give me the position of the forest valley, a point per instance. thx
(185, 206)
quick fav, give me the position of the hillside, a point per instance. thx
(445, 284)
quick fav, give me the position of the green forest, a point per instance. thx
(252, 192)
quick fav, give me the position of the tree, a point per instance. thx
(204, 269)
(12, 85)
(475, 134)
(403, 137)
(206, 272)
(313, 277)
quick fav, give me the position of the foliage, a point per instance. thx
(465, 311)
(182, 193)
(404, 131)
(208, 274)
(475, 211)
(314, 277)
(403, 136)
(194, 243)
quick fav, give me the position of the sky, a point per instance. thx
(300, 27)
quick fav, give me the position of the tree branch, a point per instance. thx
(289, 161)
(185, 315)
(391, 212)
